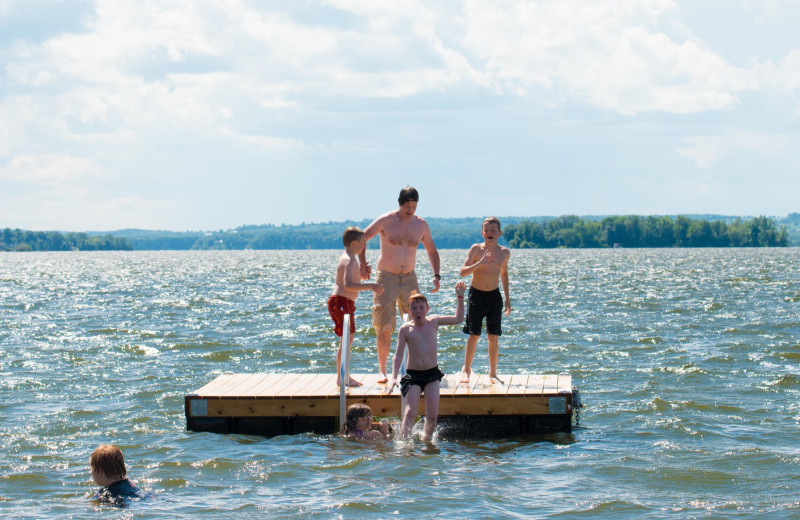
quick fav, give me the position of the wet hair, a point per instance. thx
(354, 413)
(418, 296)
(407, 194)
(350, 234)
(492, 220)
(108, 459)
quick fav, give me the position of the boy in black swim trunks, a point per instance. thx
(422, 368)
(488, 265)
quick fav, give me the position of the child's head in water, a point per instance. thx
(359, 417)
(107, 465)
(358, 424)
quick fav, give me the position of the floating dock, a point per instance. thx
(286, 404)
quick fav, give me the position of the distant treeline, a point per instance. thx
(19, 240)
(634, 231)
(449, 233)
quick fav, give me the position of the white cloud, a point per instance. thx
(705, 151)
(46, 169)
(771, 8)
(155, 96)
(80, 210)
(612, 55)
(783, 76)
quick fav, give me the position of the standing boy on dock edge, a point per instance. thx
(419, 334)
(401, 233)
(488, 265)
(345, 291)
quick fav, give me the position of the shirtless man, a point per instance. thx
(419, 335)
(488, 264)
(401, 232)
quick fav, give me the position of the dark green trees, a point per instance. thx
(635, 231)
(19, 240)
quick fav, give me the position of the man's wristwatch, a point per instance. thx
(437, 276)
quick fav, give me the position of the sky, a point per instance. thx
(207, 115)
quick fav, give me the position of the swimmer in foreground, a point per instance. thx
(108, 471)
(359, 424)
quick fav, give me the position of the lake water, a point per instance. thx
(688, 363)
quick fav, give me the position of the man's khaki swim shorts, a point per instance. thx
(397, 288)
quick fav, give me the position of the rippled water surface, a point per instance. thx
(688, 362)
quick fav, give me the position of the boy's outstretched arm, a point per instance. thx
(459, 317)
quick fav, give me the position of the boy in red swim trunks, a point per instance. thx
(422, 368)
(345, 291)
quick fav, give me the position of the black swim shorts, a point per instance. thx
(480, 304)
(421, 378)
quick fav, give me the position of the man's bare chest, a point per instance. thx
(403, 235)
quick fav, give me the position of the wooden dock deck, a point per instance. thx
(279, 404)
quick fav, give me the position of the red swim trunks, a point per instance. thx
(338, 306)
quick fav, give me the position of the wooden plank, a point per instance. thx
(370, 386)
(495, 406)
(268, 385)
(450, 385)
(293, 383)
(228, 388)
(250, 388)
(304, 407)
(564, 384)
(550, 384)
(272, 407)
(321, 385)
(535, 385)
(211, 387)
(467, 388)
(517, 385)
(381, 406)
(483, 386)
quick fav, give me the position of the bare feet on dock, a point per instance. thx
(464, 377)
(494, 379)
(382, 378)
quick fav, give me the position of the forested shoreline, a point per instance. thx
(634, 231)
(568, 231)
(20, 240)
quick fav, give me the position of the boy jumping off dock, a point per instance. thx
(419, 334)
(346, 286)
(488, 264)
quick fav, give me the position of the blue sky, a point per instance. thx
(205, 115)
